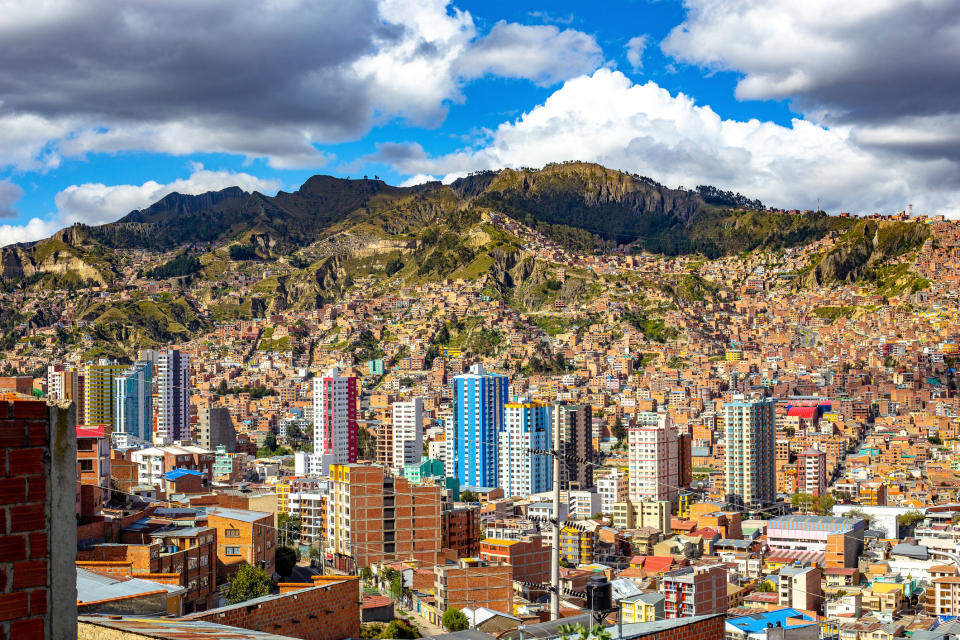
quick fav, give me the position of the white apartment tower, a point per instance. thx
(654, 453)
(613, 488)
(526, 426)
(407, 433)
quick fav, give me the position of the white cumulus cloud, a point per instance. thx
(97, 203)
(420, 178)
(635, 48)
(541, 53)
(642, 128)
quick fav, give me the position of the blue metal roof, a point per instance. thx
(757, 622)
(176, 474)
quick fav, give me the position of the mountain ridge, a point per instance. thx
(582, 206)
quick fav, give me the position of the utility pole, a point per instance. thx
(555, 547)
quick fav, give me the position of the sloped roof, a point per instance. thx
(176, 474)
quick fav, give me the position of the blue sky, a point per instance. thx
(779, 100)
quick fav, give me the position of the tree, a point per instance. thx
(766, 587)
(388, 576)
(468, 496)
(399, 628)
(248, 582)
(366, 574)
(393, 265)
(270, 441)
(454, 620)
(802, 501)
(222, 388)
(858, 514)
(396, 586)
(910, 519)
(366, 444)
(824, 504)
(289, 527)
(842, 497)
(600, 633)
(618, 431)
(566, 631)
(286, 559)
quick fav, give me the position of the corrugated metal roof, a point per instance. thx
(173, 629)
(243, 515)
(93, 586)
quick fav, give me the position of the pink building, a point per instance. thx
(335, 417)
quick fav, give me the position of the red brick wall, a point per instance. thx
(24, 548)
(327, 612)
(711, 629)
(115, 569)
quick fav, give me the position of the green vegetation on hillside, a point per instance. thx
(143, 321)
(834, 313)
(653, 328)
(553, 325)
(693, 288)
(182, 265)
(864, 252)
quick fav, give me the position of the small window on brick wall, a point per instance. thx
(233, 551)
(231, 533)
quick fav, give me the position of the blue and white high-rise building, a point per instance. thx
(133, 401)
(527, 426)
(472, 432)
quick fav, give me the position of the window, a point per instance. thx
(232, 551)
(231, 533)
(191, 564)
(204, 560)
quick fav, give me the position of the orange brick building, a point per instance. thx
(373, 517)
(243, 536)
(474, 583)
(528, 557)
(184, 556)
(460, 530)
